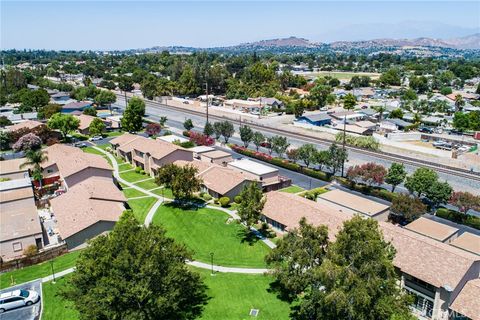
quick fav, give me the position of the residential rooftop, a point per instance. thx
(353, 202)
(467, 241)
(12, 166)
(432, 229)
(468, 300)
(252, 167)
(19, 221)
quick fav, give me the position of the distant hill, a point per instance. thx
(282, 42)
(463, 43)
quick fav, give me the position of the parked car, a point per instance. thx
(95, 138)
(17, 298)
(438, 144)
(425, 129)
(265, 144)
(80, 145)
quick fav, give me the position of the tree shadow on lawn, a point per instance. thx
(247, 236)
(282, 293)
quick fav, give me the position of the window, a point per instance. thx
(17, 246)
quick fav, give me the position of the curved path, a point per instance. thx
(161, 199)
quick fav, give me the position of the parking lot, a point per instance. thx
(24, 313)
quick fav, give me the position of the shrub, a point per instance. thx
(186, 133)
(207, 197)
(138, 169)
(224, 201)
(142, 171)
(201, 139)
(27, 142)
(369, 143)
(187, 144)
(237, 199)
(30, 251)
(167, 133)
(458, 217)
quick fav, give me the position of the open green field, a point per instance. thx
(54, 306)
(206, 230)
(340, 75)
(140, 207)
(231, 297)
(40, 270)
(147, 185)
(292, 189)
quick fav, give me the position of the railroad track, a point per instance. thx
(378, 154)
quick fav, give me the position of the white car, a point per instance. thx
(96, 138)
(17, 298)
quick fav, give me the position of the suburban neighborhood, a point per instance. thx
(276, 179)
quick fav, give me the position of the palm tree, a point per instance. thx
(459, 102)
(380, 110)
(34, 159)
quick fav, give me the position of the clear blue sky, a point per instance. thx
(124, 24)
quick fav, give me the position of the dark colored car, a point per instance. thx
(425, 129)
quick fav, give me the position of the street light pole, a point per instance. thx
(344, 135)
(53, 271)
(206, 90)
(211, 256)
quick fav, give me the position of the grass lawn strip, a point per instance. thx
(233, 295)
(292, 189)
(132, 176)
(40, 270)
(147, 185)
(164, 192)
(140, 207)
(206, 230)
(54, 306)
(131, 193)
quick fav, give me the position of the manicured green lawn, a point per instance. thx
(124, 166)
(292, 189)
(39, 270)
(167, 192)
(140, 207)
(92, 150)
(233, 295)
(132, 176)
(114, 133)
(206, 230)
(130, 193)
(54, 306)
(147, 185)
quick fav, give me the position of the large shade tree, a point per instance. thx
(132, 119)
(135, 272)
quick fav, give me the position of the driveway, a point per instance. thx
(24, 313)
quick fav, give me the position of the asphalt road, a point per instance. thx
(24, 313)
(177, 117)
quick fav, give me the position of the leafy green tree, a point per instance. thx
(338, 156)
(227, 130)
(246, 135)
(478, 89)
(319, 94)
(65, 123)
(349, 101)
(396, 175)
(396, 114)
(459, 102)
(465, 201)
(125, 83)
(307, 153)
(292, 155)
(96, 127)
(182, 180)
(251, 206)
(258, 138)
(135, 272)
(217, 130)
(296, 256)
(90, 111)
(357, 279)
(322, 158)
(439, 193)
(105, 98)
(446, 90)
(419, 84)
(280, 145)
(188, 124)
(34, 160)
(4, 140)
(47, 111)
(390, 78)
(410, 208)
(132, 119)
(35, 99)
(149, 87)
(4, 121)
(208, 129)
(30, 141)
(420, 181)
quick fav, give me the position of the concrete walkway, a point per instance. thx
(157, 204)
(143, 180)
(58, 274)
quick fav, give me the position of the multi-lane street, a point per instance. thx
(458, 179)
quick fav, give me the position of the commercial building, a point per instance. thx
(217, 157)
(319, 119)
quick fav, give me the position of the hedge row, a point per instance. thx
(371, 191)
(283, 163)
(459, 217)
